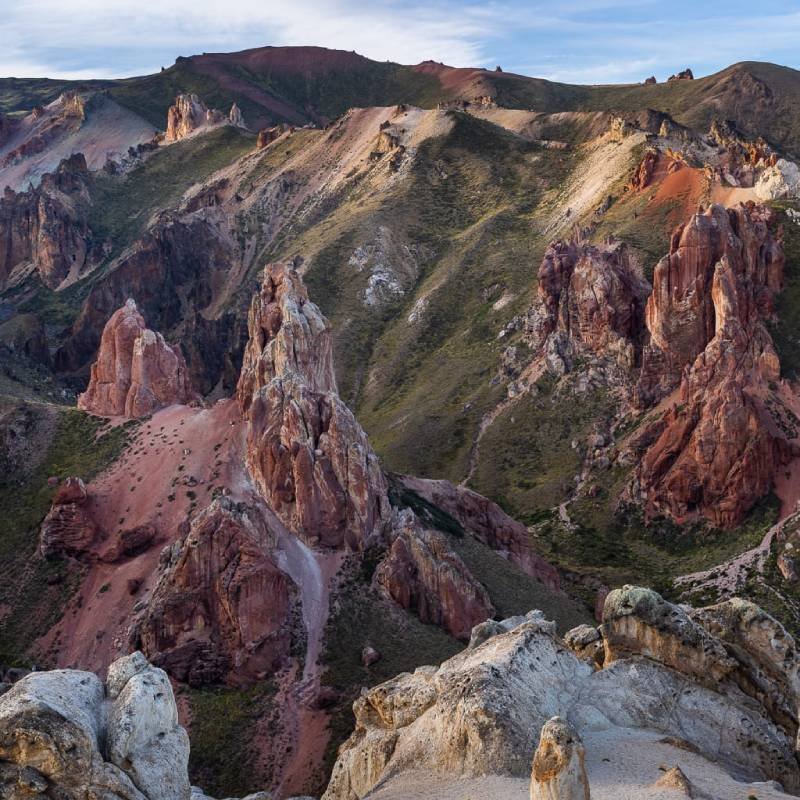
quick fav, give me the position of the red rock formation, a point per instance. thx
(136, 371)
(488, 523)
(220, 602)
(268, 135)
(644, 172)
(188, 114)
(305, 450)
(680, 313)
(683, 75)
(47, 225)
(716, 450)
(589, 300)
(422, 574)
(68, 528)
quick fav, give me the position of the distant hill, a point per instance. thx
(315, 84)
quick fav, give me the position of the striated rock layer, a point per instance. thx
(423, 574)
(136, 371)
(68, 528)
(715, 451)
(305, 450)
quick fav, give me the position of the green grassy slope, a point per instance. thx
(289, 84)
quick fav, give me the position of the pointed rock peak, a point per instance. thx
(306, 452)
(289, 337)
(136, 371)
(236, 117)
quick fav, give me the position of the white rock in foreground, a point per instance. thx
(63, 735)
(666, 675)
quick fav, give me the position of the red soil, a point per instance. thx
(180, 450)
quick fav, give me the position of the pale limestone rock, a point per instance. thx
(779, 181)
(144, 736)
(667, 675)
(559, 772)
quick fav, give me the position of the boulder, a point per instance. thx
(558, 770)
(306, 452)
(69, 528)
(665, 675)
(143, 737)
(136, 371)
(57, 738)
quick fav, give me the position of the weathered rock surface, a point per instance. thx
(488, 523)
(779, 181)
(68, 528)
(188, 114)
(173, 272)
(558, 770)
(421, 573)
(47, 226)
(305, 450)
(733, 647)
(714, 452)
(57, 740)
(590, 300)
(666, 675)
(136, 371)
(220, 602)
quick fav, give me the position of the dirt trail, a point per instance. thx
(303, 720)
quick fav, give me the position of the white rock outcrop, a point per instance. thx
(666, 674)
(779, 181)
(64, 735)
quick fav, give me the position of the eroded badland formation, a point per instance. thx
(344, 422)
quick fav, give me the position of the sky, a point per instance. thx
(576, 41)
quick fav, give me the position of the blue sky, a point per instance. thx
(580, 41)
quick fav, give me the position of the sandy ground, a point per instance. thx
(622, 764)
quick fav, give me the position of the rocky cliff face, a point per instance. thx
(716, 449)
(590, 300)
(136, 371)
(46, 226)
(665, 675)
(421, 573)
(220, 602)
(172, 272)
(305, 450)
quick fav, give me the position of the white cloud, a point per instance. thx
(52, 32)
(586, 41)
